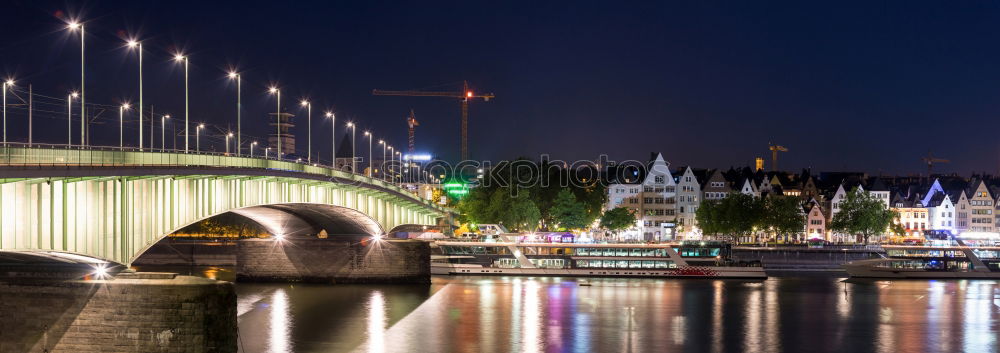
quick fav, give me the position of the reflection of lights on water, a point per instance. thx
(280, 340)
(532, 318)
(376, 322)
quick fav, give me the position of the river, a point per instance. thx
(524, 314)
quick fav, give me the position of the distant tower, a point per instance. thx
(759, 164)
(287, 137)
(411, 121)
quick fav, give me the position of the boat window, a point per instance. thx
(621, 252)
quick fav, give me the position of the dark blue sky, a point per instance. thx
(864, 85)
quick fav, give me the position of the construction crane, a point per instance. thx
(930, 160)
(774, 154)
(464, 96)
(411, 121)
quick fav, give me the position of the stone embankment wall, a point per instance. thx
(141, 312)
(333, 261)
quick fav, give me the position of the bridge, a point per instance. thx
(114, 203)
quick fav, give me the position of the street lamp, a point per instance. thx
(354, 163)
(163, 132)
(382, 142)
(8, 83)
(369, 153)
(309, 133)
(400, 162)
(239, 110)
(277, 92)
(197, 137)
(69, 117)
(228, 136)
(333, 139)
(138, 46)
(180, 57)
(83, 84)
(251, 148)
(121, 125)
(265, 151)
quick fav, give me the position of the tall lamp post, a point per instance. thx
(277, 118)
(228, 136)
(354, 151)
(369, 134)
(138, 46)
(382, 142)
(121, 125)
(69, 117)
(197, 138)
(333, 139)
(251, 148)
(83, 84)
(163, 132)
(239, 110)
(187, 116)
(309, 131)
(8, 83)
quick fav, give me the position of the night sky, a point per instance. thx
(852, 86)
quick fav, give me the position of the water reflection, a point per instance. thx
(376, 323)
(281, 325)
(517, 314)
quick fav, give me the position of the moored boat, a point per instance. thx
(508, 256)
(955, 260)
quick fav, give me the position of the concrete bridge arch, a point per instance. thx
(116, 211)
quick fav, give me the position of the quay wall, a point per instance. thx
(135, 312)
(333, 261)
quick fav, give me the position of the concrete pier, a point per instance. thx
(333, 261)
(134, 312)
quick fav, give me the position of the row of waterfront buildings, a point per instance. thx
(665, 200)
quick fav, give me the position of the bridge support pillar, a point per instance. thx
(333, 261)
(136, 312)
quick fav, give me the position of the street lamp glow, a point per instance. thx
(277, 120)
(179, 57)
(309, 133)
(233, 75)
(73, 25)
(121, 124)
(74, 94)
(9, 82)
(132, 44)
(329, 114)
(163, 132)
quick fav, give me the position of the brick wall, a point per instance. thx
(333, 261)
(138, 314)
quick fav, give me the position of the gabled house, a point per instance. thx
(716, 187)
(688, 200)
(815, 221)
(980, 207)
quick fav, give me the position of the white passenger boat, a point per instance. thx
(954, 260)
(508, 257)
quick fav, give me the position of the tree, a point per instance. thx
(862, 214)
(618, 219)
(567, 212)
(783, 215)
(737, 215)
(516, 212)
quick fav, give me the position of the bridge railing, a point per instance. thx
(43, 155)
